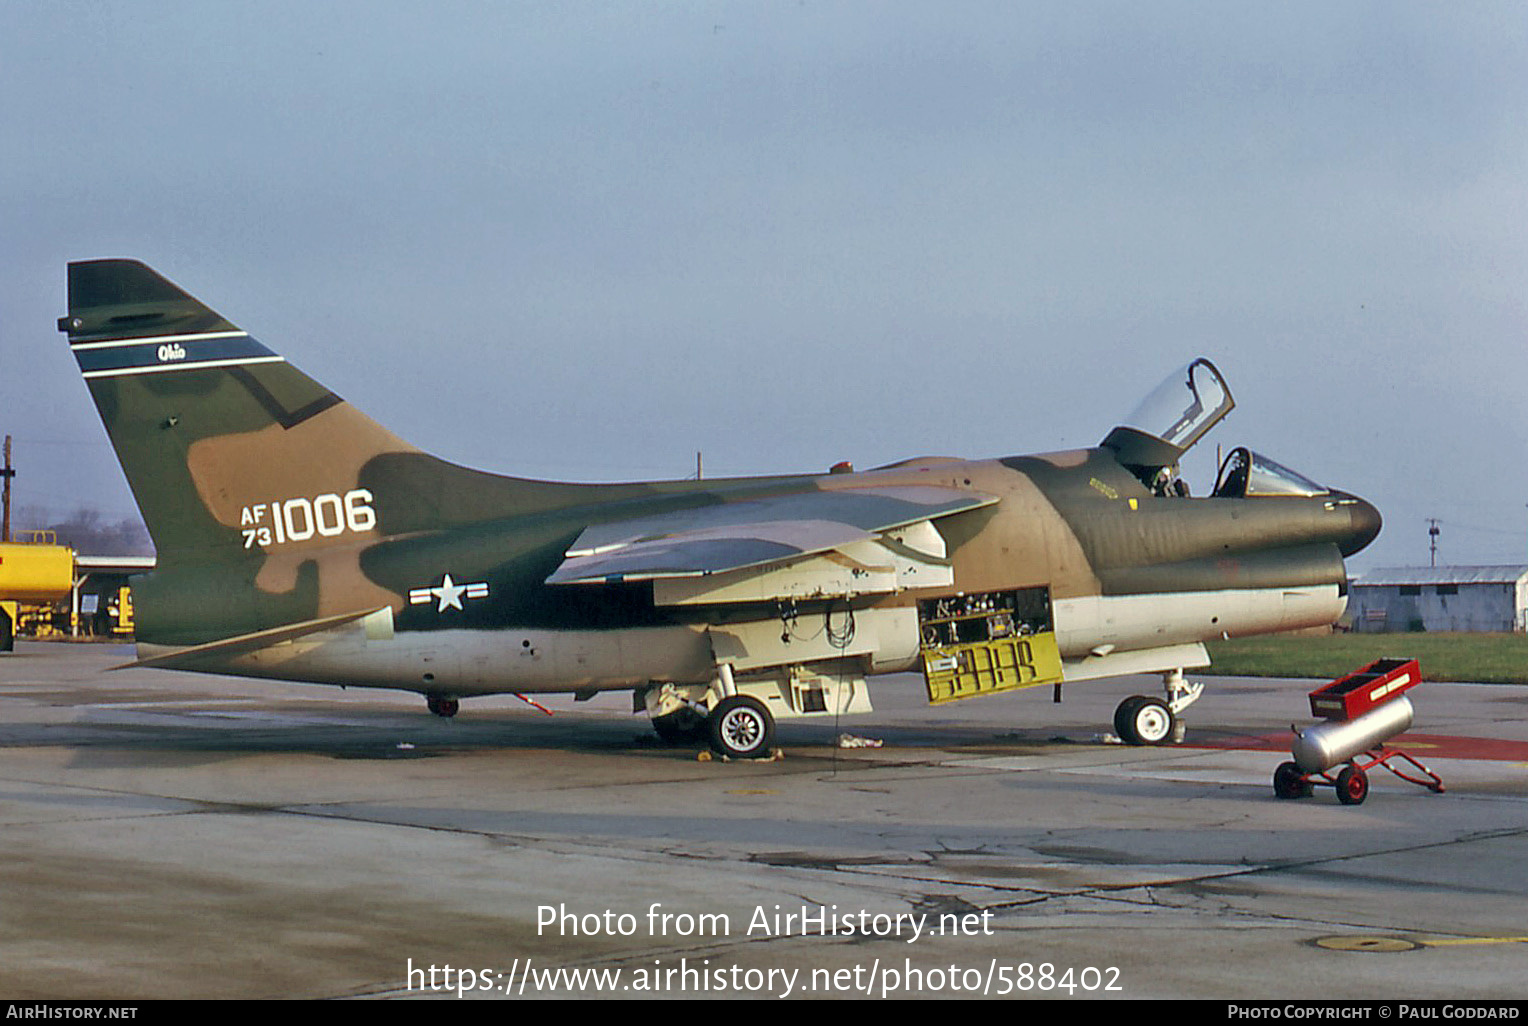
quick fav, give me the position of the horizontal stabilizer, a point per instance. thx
(243, 644)
(732, 536)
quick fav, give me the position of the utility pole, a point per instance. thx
(697, 466)
(1432, 548)
(7, 473)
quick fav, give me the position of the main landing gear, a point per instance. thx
(739, 727)
(443, 707)
(736, 725)
(1144, 720)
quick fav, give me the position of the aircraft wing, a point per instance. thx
(855, 534)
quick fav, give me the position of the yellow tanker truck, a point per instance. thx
(31, 574)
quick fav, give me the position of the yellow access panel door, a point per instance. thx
(984, 668)
(980, 644)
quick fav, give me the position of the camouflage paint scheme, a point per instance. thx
(281, 513)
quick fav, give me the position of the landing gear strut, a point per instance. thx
(444, 707)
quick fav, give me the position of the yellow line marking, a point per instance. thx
(1380, 944)
(1376, 944)
(752, 790)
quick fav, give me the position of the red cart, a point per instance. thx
(1361, 710)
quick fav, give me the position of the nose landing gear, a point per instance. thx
(1144, 720)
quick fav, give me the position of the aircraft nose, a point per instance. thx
(1364, 524)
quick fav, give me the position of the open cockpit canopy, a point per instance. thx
(1175, 415)
(1182, 409)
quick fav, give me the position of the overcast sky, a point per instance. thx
(579, 240)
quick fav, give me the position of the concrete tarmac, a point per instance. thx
(172, 835)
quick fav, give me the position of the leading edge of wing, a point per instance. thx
(753, 532)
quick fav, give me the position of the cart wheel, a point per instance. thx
(1290, 782)
(1352, 786)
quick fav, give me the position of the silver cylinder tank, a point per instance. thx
(1319, 748)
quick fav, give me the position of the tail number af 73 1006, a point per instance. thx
(295, 520)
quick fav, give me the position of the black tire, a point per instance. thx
(1289, 781)
(1148, 722)
(741, 728)
(1352, 785)
(7, 633)
(681, 727)
(442, 707)
(1123, 713)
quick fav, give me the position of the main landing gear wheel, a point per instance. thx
(446, 707)
(741, 728)
(1352, 785)
(1140, 720)
(682, 726)
(1290, 782)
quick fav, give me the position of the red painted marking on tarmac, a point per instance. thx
(1422, 746)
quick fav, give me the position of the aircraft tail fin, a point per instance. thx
(231, 452)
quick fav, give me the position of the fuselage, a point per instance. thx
(1125, 568)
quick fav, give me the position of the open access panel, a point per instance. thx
(980, 644)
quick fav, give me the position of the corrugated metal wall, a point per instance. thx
(1430, 607)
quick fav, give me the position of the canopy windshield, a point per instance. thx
(1247, 474)
(1185, 406)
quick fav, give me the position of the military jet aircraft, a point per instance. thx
(298, 539)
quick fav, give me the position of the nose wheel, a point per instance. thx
(1142, 720)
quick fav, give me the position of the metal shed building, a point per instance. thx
(1440, 598)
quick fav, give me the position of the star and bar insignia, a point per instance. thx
(448, 593)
